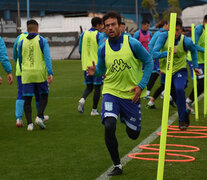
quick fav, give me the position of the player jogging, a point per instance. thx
(200, 45)
(88, 48)
(179, 71)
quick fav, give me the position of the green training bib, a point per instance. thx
(89, 50)
(179, 60)
(33, 63)
(124, 71)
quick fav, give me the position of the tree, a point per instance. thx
(151, 5)
(173, 7)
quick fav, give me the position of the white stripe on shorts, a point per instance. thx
(107, 114)
(131, 126)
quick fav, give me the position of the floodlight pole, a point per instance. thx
(18, 18)
(94, 6)
(28, 16)
(136, 11)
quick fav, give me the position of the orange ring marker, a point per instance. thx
(185, 132)
(134, 156)
(200, 128)
(193, 148)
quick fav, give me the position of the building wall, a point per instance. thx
(59, 23)
(193, 15)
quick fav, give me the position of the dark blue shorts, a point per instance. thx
(200, 67)
(35, 88)
(130, 113)
(92, 79)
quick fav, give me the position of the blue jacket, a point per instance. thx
(137, 49)
(45, 50)
(4, 57)
(154, 39)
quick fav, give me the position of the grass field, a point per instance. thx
(72, 147)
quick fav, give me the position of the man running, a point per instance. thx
(120, 59)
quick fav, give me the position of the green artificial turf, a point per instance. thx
(72, 146)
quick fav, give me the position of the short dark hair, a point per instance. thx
(205, 18)
(95, 21)
(32, 22)
(112, 14)
(145, 21)
(161, 23)
(123, 23)
(179, 22)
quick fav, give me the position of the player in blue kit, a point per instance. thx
(20, 98)
(163, 27)
(120, 59)
(89, 42)
(200, 45)
(179, 71)
(36, 67)
(143, 35)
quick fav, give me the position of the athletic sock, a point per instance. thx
(110, 139)
(19, 108)
(96, 96)
(87, 91)
(42, 105)
(28, 109)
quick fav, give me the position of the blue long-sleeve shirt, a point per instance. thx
(198, 32)
(15, 47)
(154, 39)
(99, 38)
(45, 50)
(137, 34)
(4, 57)
(104, 36)
(187, 44)
(138, 51)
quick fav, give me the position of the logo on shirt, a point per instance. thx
(119, 65)
(31, 55)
